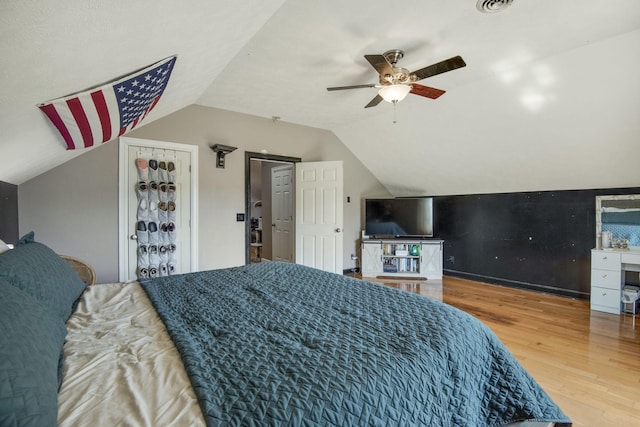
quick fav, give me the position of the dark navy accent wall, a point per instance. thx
(535, 240)
(8, 212)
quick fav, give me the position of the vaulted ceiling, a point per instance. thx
(549, 99)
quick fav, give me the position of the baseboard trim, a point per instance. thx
(405, 278)
(518, 284)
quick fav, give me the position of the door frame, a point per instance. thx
(248, 156)
(123, 200)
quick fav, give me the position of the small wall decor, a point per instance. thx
(221, 151)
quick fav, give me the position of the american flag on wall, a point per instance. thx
(100, 114)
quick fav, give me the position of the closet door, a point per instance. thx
(282, 210)
(158, 205)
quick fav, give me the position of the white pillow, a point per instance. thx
(3, 247)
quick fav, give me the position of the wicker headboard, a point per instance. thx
(84, 270)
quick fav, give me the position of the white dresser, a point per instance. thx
(608, 267)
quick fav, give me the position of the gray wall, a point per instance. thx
(74, 207)
(8, 212)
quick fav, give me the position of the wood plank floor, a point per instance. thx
(587, 361)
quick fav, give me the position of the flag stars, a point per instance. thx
(136, 95)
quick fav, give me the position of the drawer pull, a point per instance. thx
(604, 276)
(604, 257)
(604, 294)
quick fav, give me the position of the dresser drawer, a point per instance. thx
(605, 260)
(631, 258)
(605, 299)
(606, 278)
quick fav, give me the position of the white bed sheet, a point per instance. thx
(121, 367)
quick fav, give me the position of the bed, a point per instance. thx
(265, 344)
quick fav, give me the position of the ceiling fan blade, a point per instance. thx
(350, 87)
(381, 64)
(426, 91)
(375, 101)
(439, 68)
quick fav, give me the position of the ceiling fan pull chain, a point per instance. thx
(395, 110)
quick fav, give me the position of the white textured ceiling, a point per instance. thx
(49, 49)
(549, 99)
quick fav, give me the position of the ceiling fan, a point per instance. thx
(395, 83)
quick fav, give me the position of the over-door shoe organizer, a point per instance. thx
(156, 217)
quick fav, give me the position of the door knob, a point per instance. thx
(338, 230)
(133, 237)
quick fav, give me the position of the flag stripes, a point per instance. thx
(100, 114)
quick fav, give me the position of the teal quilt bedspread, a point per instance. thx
(283, 344)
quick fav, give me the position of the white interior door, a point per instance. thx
(282, 213)
(175, 221)
(319, 215)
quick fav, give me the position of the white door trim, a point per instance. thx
(123, 200)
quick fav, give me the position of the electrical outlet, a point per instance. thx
(240, 217)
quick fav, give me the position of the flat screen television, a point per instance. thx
(400, 217)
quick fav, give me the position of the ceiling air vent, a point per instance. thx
(491, 6)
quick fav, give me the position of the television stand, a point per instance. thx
(402, 258)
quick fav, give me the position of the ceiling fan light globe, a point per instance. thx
(394, 93)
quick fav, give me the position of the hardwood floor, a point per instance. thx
(587, 361)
